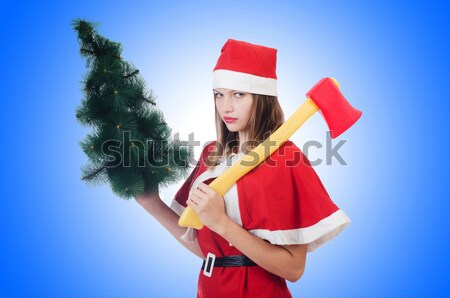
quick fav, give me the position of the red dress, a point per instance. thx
(281, 201)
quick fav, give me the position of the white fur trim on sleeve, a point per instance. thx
(315, 235)
(177, 207)
(191, 233)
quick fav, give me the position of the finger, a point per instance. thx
(199, 194)
(191, 204)
(208, 191)
(193, 199)
(205, 188)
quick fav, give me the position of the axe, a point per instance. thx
(325, 97)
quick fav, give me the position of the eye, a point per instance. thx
(217, 95)
(239, 94)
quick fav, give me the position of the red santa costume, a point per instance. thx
(282, 200)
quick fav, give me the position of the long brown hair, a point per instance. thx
(266, 117)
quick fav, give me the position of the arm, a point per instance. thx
(153, 204)
(287, 261)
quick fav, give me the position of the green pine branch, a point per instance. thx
(130, 146)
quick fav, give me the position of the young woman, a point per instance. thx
(258, 234)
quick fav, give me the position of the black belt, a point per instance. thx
(230, 261)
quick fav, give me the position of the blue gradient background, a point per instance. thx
(62, 238)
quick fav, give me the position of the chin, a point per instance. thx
(232, 128)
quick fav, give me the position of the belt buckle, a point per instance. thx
(209, 264)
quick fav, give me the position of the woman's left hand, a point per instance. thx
(209, 206)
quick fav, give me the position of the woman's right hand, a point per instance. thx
(148, 198)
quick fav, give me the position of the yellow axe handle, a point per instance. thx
(249, 161)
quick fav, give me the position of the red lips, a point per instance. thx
(229, 119)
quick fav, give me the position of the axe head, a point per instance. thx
(339, 114)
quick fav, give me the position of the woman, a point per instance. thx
(258, 234)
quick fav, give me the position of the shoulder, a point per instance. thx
(208, 148)
(288, 155)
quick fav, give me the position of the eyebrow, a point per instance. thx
(229, 91)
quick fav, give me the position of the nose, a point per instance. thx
(227, 104)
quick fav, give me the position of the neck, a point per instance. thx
(242, 140)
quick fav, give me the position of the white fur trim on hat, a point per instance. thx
(244, 82)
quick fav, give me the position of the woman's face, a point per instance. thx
(234, 108)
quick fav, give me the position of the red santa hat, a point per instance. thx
(246, 67)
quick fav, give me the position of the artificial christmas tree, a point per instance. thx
(130, 146)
